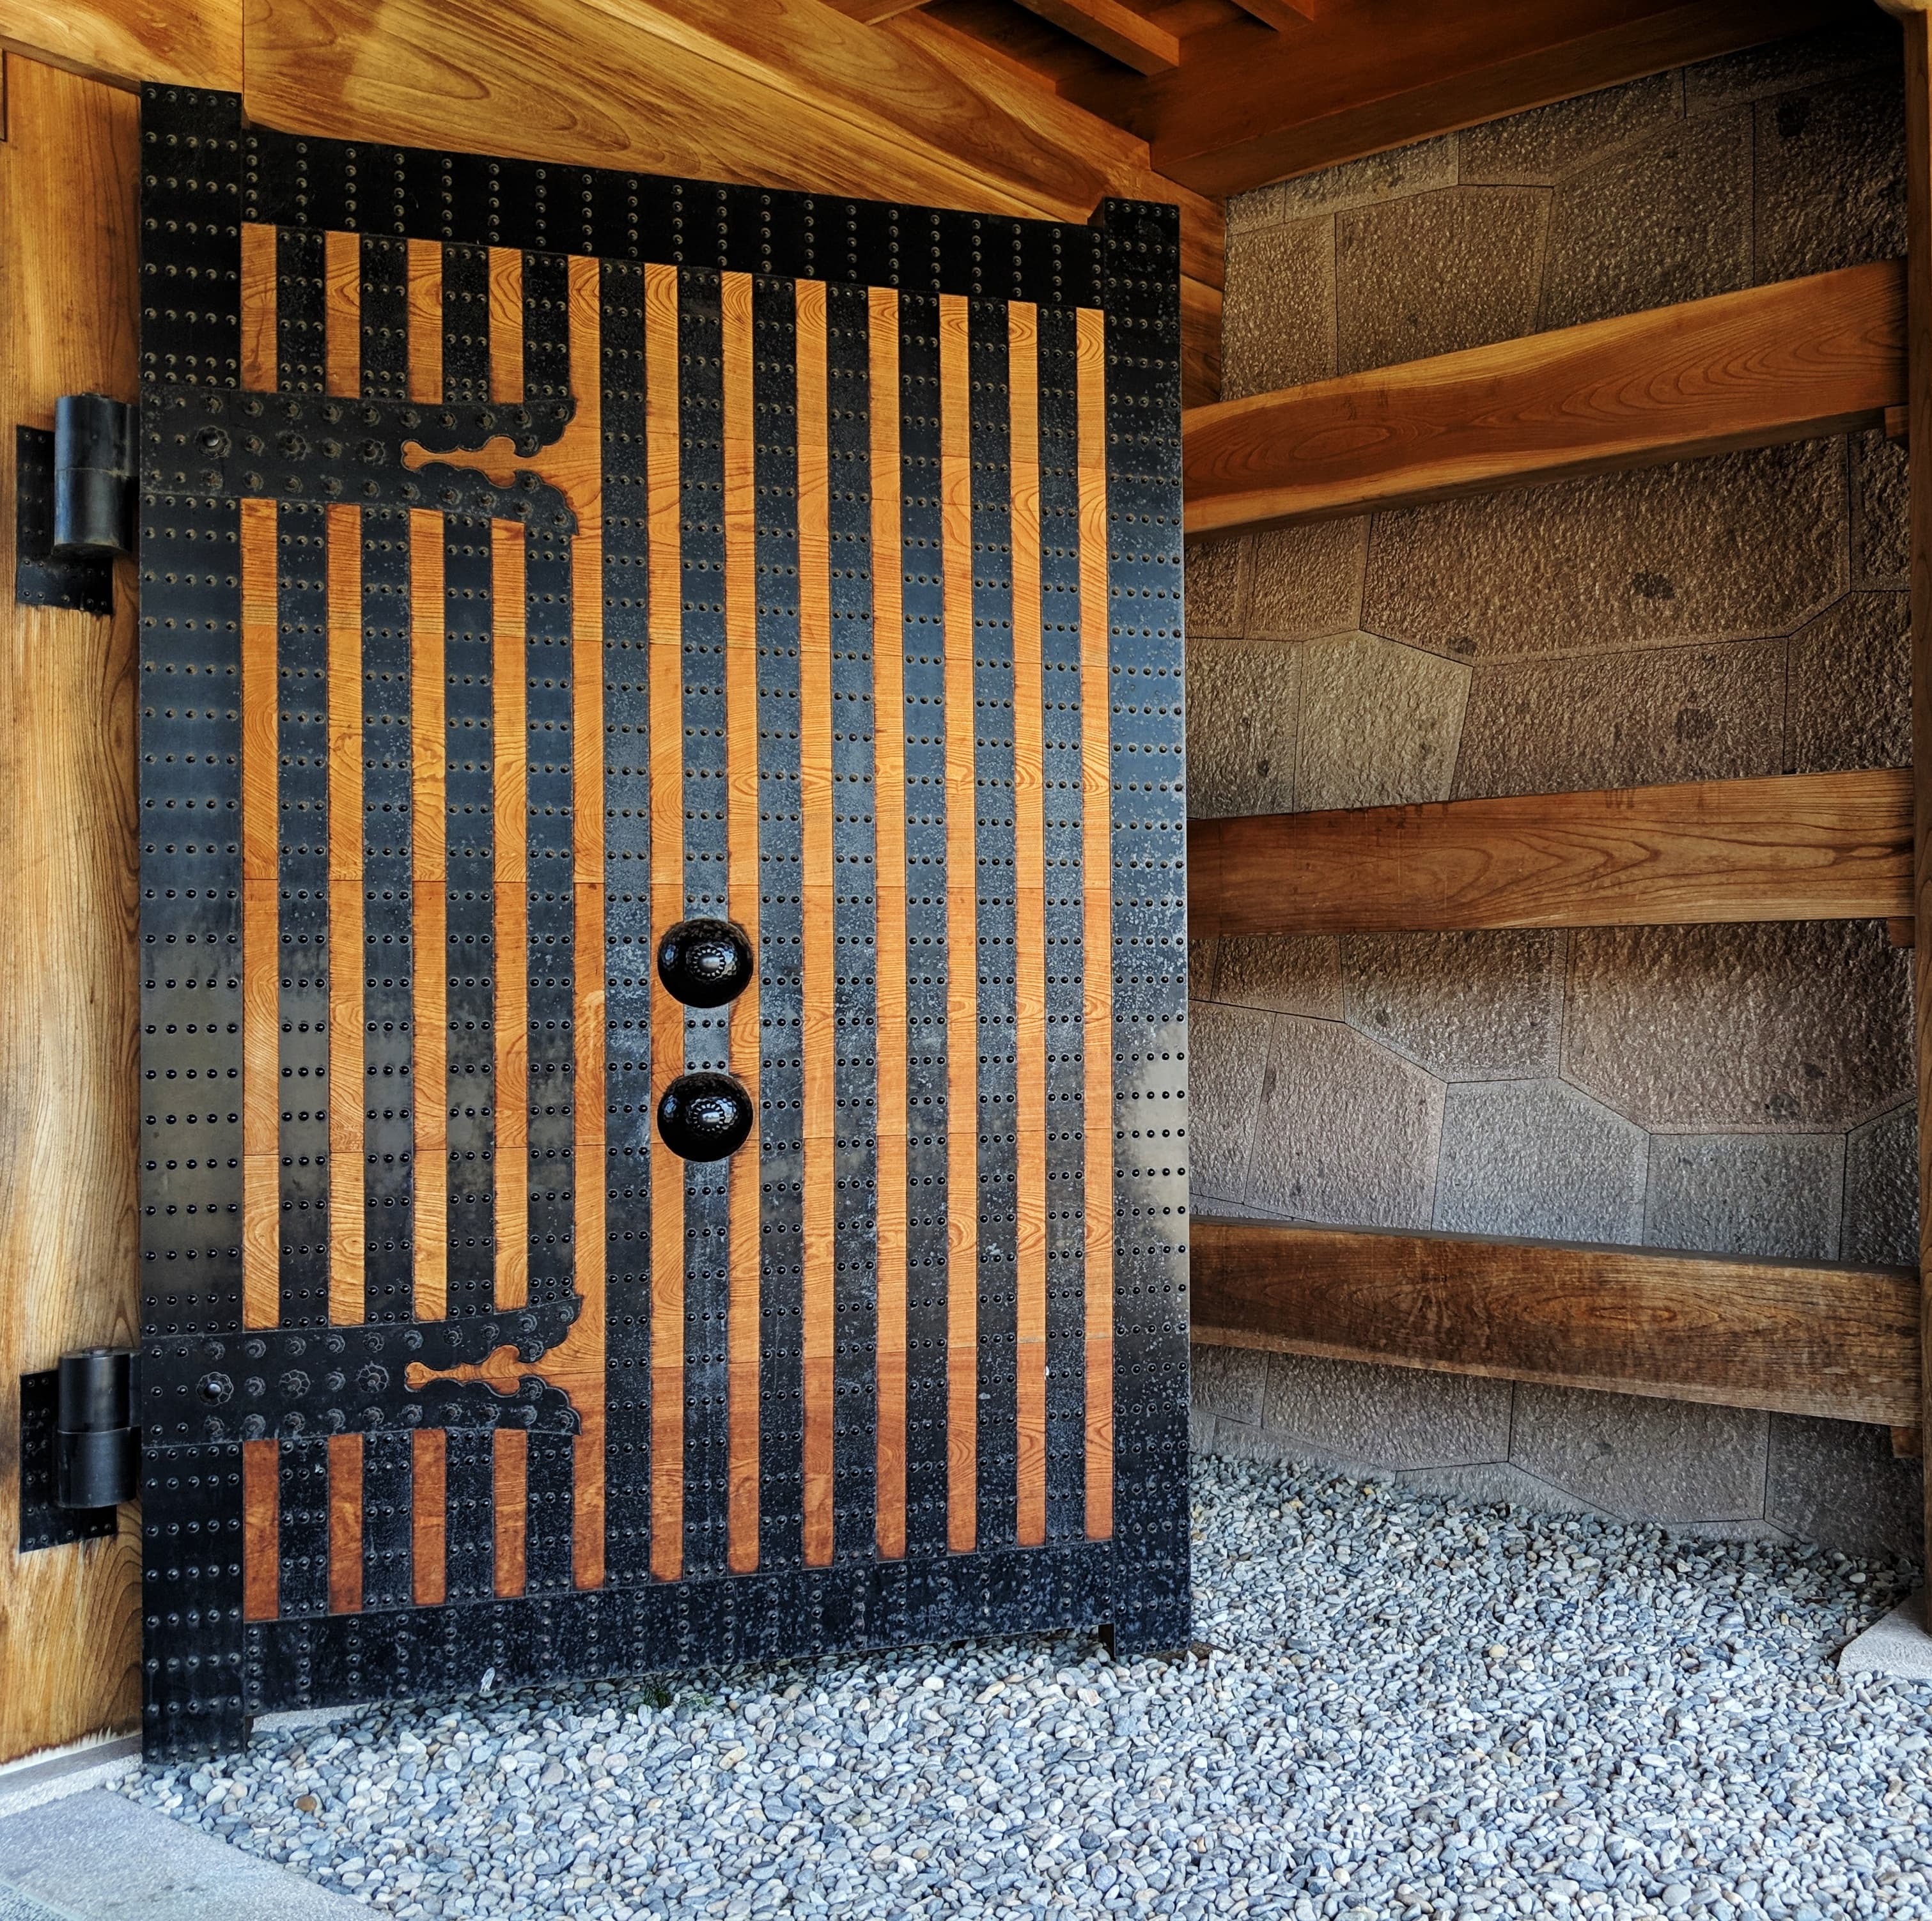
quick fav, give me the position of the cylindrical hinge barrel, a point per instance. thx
(94, 476)
(97, 1446)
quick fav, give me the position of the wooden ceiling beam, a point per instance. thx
(125, 42)
(1118, 31)
(1786, 847)
(1788, 361)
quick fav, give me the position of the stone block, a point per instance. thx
(1243, 709)
(1298, 973)
(1216, 586)
(1495, 1484)
(1537, 148)
(1422, 168)
(1734, 547)
(1625, 719)
(1831, 176)
(1537, 1158)
(1380, 723)
(1838, 1483)
(1228, 1381)
(1203, 964)
(1882, 1191)
(1230, 1048)
(1850, 679)
(1345, 1131)
(1432, 274)
(1800, 1025)
(1773, 1194)
(1860, 41)
(1881, 511)
(1666, 221)
(1278, 308)
(1306, 581)
(1465, 1006)
(1395, 1417)
(1672, 1462)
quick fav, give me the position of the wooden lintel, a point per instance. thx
(1787, 847)
(1794, 1337)
(125, 42)
(1783, 362)
(1118, 31)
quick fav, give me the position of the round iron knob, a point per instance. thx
(705, 963)
(705, 1116)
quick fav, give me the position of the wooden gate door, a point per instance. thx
(535, 561)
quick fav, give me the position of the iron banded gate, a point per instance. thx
(532, 558)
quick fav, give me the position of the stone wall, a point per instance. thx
(1744, 1090)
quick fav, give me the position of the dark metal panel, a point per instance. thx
(42, 1523)
(470, 1515)
(466, 323)
(388, 1484)
(548, 1526)
(302, 1473)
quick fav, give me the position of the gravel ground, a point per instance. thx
(1396, 1707)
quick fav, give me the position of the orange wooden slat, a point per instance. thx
(425, 309)
(429, 1516)
(261, 1530)
(429, 914)
(345, 1523)
(259, 357)
(506, 324)
(347, 1230)
(261, 922)
(510, 1495)
(510, 910)
(342, 313)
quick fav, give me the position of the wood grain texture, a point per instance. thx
(1118, 31)
(429, 1517)
(889, 814)
(819, 957)
(70, 1633)
(122, 43)
(261, 924)
(1029, 928)
(1788, 361)
(425, 320)
(342, 313)
(962, 936)
(510, 1497)
(742, 808)
(1096, 781)
(510, 912)
(261, 1530)
(667, 761)
(429, 914)
(1797, 1338)
(348, 1232)
(259, 359)
(506, 323)
(1787, 847)
(345, 1523)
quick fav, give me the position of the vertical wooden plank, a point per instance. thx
(261, 956)
(70, 1097)
(889, 814)
(1029, 928)
(667, 761)
(258, 307)
(510, 912)
(741, 727)
(425, 300)
(819, 961)
(1097, 916)
(962, 938)
(342, 313)
(510, 1487)
(345, 1523)
(261, 1530)
(429, 914)
(347, 1230)
(586, 1342)
(506, 324)
(429, 1517)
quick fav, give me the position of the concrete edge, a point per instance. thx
(1897, 1644)
(39, 1779)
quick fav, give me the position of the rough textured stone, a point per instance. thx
(1217, 584)
(1730, 548)
(1775, 1194)
(1380, 723)
(1881, 506)
(1228, 1381)
(1306, 582)
(1537, 149)
(1805, 1025)
(1882, 1191)
(1278, 308)
(1242, 701)
(1625, 719)
(1839, 1481)
(1204, 958)
(1806, 60)
(1421, 168)
(1465, 1006)
(1435, 273)
(1397, 1417)
(1345, 1131)
(1539, 1158)
(1492, 1482)
(1850, 698)
(1664, 1461)
(1229, 1046)
(1299, 973)
(1668, 221)
(1831, 176)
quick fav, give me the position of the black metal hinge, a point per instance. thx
(73, 503)
(80, 1452)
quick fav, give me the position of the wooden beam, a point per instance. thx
(1118, 31)
(1281, 15)
(1794, 1337)
(1246, 107)
(1788, 361)
(1789, 847)
(125, 42)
